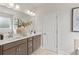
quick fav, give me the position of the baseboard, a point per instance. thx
(59, 52)
(62, 52)
(49, 50)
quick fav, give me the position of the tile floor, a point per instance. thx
(42, 51)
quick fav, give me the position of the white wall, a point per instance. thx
(48, 21)
(65, 35)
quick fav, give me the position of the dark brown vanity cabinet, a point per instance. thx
(21, 47)
(15, 48)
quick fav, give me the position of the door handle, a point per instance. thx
(44, 33)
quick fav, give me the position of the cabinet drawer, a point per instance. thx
(39, 36)
(12, 44)
(29, 39)
(35, 37)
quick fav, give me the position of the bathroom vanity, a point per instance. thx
(20, 46)
(17, 22)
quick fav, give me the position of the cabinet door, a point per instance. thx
(21, 49)
(30, 50)
(29, 47)
(36, 42)
(10, 51)
(0, 50)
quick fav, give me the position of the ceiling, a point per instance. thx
(33, 7)
(43, 6)
(30, 6)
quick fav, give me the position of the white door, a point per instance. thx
(49, 30)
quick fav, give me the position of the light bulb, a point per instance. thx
(17, 6)
(11, 5)
(33, 14)
(28, 11)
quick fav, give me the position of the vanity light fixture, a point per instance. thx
(30, 13)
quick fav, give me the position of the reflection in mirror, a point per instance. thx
(20, 25)
(5, 22)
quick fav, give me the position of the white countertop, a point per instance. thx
(8, 40)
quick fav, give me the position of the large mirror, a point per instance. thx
(11, 19)
(5, 23)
